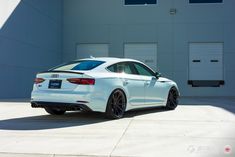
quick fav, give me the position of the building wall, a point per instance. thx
(105, 21)
(30, 41)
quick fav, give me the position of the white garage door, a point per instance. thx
(206, 61)
(147, 53)
(95, 50)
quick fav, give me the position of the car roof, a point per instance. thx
(109, 60)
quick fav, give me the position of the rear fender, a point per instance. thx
(104, 88)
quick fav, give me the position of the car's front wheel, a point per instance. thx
(172, 100)
(116, 105)
(54, 111)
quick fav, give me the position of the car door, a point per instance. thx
(133, 83)
(153, 88)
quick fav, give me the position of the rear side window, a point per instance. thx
(113, 68)
(79, 65)
(124, 67)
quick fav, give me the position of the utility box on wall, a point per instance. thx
(206, 64)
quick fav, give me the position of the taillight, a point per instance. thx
(38, 80)
(82, 81)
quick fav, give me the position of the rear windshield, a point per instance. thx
(79, 65)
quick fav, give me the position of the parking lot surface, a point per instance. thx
(202, 127)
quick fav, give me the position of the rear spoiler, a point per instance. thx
(60, 71)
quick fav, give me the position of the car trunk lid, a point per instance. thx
(59, 80)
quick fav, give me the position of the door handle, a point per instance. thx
(125, 82)
(146, 83)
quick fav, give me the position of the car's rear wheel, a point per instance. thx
(55, 111)
(116, 105)
(172, 100)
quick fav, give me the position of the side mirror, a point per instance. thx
(158, 74)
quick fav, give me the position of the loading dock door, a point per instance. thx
(147, 53)
(95, 50)
(206, 64)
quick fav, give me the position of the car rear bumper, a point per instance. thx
(93, 100)
(64, 106)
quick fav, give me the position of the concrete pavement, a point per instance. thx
(202, 127)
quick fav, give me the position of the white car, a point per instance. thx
(110, 85)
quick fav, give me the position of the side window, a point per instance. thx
(122, 67)
(113, 68)
(143, 70)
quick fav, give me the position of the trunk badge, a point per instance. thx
(54, 75)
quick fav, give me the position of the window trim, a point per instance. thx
(139, 5)
(216, 3)
(206, 83)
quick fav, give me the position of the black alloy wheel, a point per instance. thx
(116, 105)
(172, 100)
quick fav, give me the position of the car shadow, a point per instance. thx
(70, 119)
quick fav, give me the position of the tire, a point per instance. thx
(116, 105)
(54, 111)
(172, 100)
